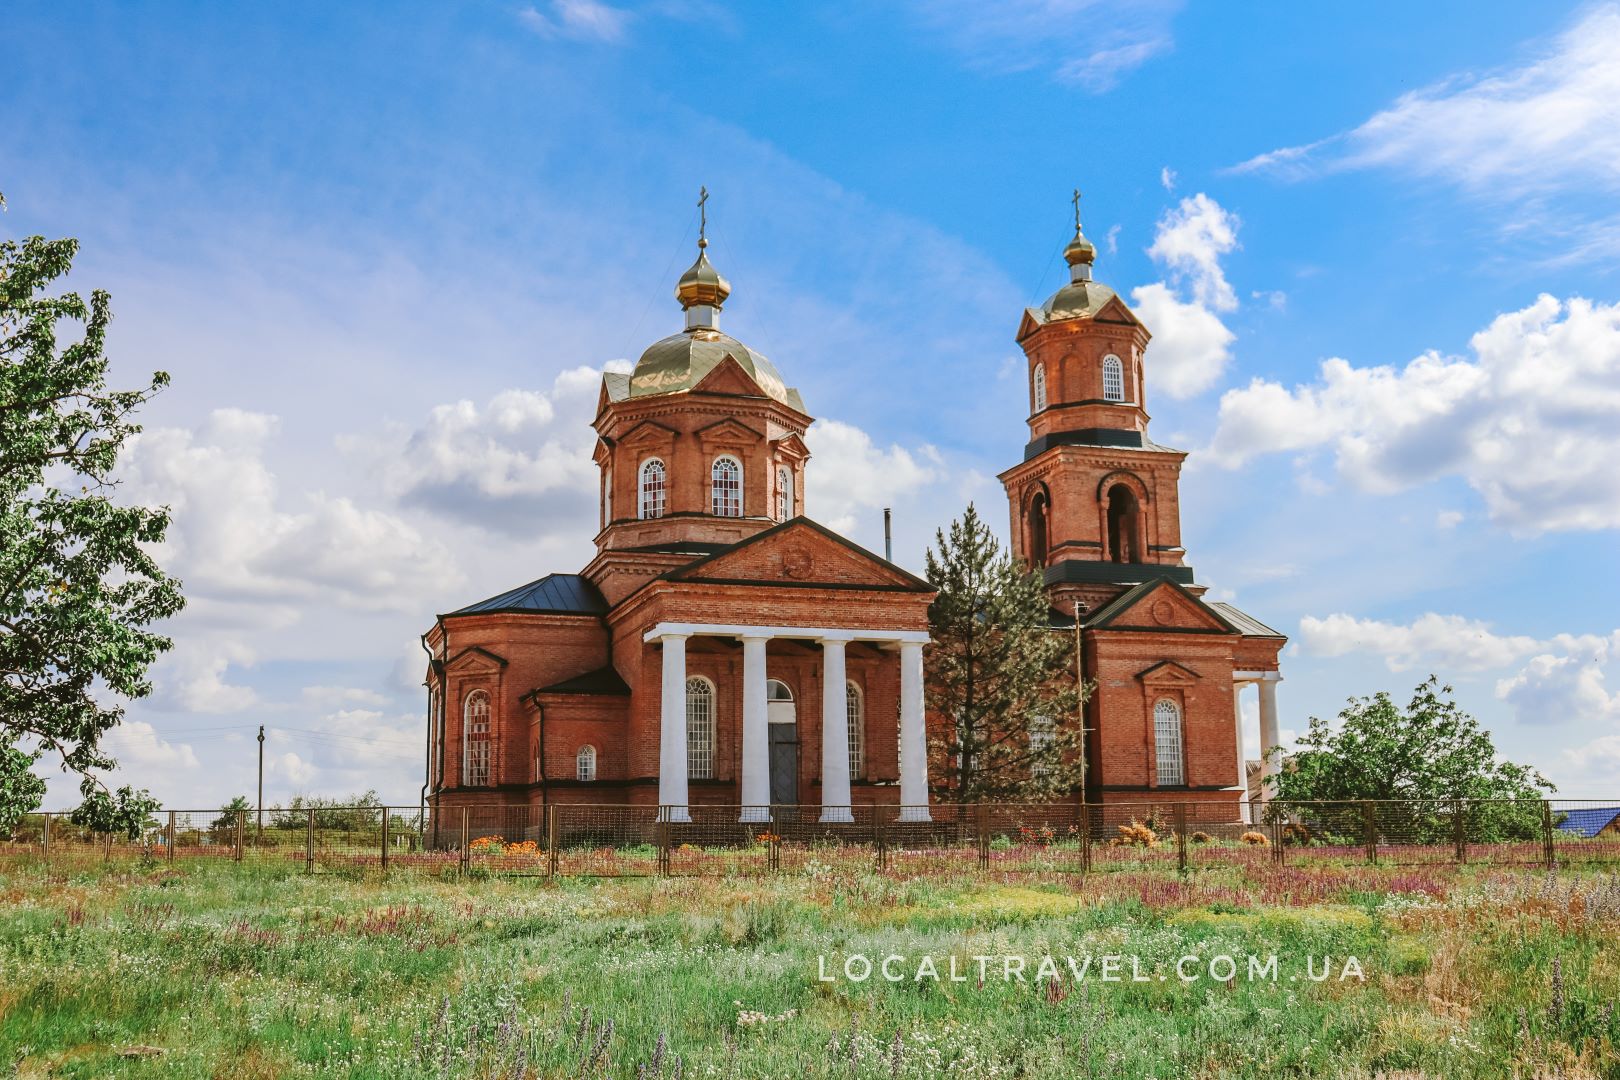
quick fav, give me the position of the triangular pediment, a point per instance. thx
(648, 433)
(800, 552)
(1115, 311)
(728, 377)
(792, 445)
(1168, 673)
(603, 451)
(729, 430)
(475, 658)
(1160, 605)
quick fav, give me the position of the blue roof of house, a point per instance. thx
(567, 594)
(1588, 820)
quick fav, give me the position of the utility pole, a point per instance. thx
(261, 784)
(1079, 655)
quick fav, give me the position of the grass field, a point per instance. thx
(216, 969)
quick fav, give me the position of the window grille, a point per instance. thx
(1113, 379)
(855, 711)
(699, 729)
(585, 763)
(476, 761)
(653, 485)
(727, 477)
(1167, 738)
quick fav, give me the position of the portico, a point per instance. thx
(755, 785)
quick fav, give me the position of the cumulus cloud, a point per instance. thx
(576, 20)
(1546, 128)
(520, 464)
(1532, 423)
(140, 750)
(192, 678)
(234, 540)
(1594, 769)
(1079, 42)
(1191, 345)
(1560, 679)
(849, 473)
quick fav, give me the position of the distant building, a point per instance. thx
(1591, 822)
(722, 649)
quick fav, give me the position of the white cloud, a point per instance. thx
(577, 20)
(1532, 424)
(1546, 128)
(848, 473)
(1190, 241)
(511, 466)
(140, 750)
(1443, 642)
(1593, 769)
(1448, 519)
(1561, 678)
(1191, 345)
(1167, 178)
(1084, 43)
(192, 677)
(340, 695)
(233, 541)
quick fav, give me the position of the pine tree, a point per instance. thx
(1002, 678)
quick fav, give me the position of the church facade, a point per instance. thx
(722, 649)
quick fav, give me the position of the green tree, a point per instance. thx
(1423, 757)
(1001, 676)
(238, 807)
(78, 587)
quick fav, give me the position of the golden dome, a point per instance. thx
(702, 283)
(1080, 250)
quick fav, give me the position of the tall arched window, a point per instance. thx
(1113, 379)
(1037, 530)
(784, 493)
(475, 740)
(585, 763)
(653, 486)
(727, 477)
(699, 729)
(607, 498)
(1039, 379)
(1042, 734)
(855, 711)
(1167, 738)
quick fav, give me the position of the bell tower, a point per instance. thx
(1094, 502)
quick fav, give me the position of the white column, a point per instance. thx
(672, 731)
(756, 734)
(1269, 737)
(913, 739)
(1242, 771)
(834, 733)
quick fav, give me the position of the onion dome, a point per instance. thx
(1081, 297)
(702, 285)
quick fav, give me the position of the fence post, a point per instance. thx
(1278, 855)
(1459, 829)
(551, 840)
(661, 838)
(1085, 836)
(171, 837)
(466, 854)
(239, 829)
(45, 836)
(981, 819)
(309, 841)
(1370, 817)
(1547, 835)
(880, 838)
(773, 846)
(385, 840)
(1181, 836)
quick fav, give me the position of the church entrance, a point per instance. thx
(784, 743)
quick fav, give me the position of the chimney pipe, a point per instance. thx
(888, 534)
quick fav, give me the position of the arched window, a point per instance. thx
(727, 477)
(1124, 544)
(1167, 738)
(1039, 379)
(1042, 733)
(475, 740)
(653, 487)
(777, 690)
(784, 493)
(1113, 379)
(699, 729)
(585, 763)
(855, 711)
(607, 498)
(1037, 530)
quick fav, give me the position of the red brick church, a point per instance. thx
(723, 649)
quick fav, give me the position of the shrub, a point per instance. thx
(1255, 839)
(1201, 837)
(1296, 833)
(1136, 834)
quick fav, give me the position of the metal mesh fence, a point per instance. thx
(617, 841)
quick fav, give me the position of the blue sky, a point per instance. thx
(385, 250)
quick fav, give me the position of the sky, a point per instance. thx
(385, 251)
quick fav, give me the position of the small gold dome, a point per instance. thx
(702, 283)
(1080, 250)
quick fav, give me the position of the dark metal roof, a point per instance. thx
(601, 681)
(1247, 624)
(565, 594)
(1588, 821)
